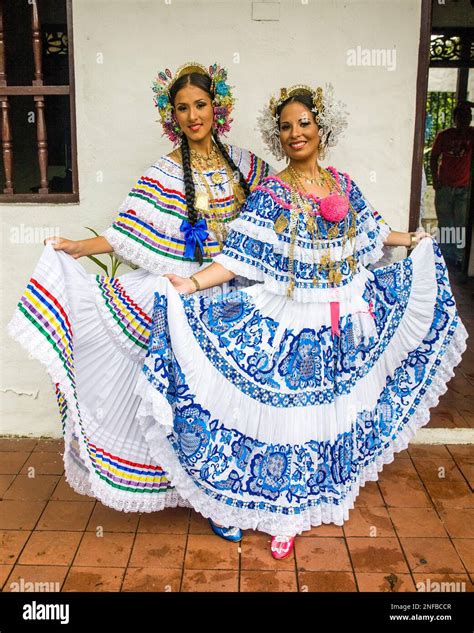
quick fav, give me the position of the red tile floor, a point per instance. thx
(415, 525)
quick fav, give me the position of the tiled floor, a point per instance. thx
(456, 407)
(415, 525)
(411, 526)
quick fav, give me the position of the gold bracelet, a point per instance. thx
(195, 282)
(413, 241)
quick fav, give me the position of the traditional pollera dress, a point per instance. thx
(91, 332)
(270, 412)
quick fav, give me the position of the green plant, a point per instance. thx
(114, 260)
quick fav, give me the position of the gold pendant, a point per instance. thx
(310, 224)
(335, 276)
(325, 260)
(217, 178)
(351, 260)
(280, 223)
(202, 201)
(333, 232)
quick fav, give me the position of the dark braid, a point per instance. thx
(190, 191)
(188, 181)
(203, 82)
(243, 183)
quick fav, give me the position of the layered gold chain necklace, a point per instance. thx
(326, 263)
(319, 180)
(204, 200)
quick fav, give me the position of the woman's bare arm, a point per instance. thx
(213, 275)
(81, 248)
(400, 238)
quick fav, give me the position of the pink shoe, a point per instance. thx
(282, 546)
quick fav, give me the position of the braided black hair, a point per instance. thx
(242, 182)
(204, 83)
(190, 191)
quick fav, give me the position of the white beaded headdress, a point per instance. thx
(331, 117)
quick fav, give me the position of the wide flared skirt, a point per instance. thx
(271, 414)
(91, 333)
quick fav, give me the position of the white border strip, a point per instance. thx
(444, 436)
(423, 436)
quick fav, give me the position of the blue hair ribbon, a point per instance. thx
(194, 234)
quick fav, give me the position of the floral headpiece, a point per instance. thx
(331, 117)
(222, 101)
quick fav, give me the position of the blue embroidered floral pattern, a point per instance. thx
(307, 367)
(241, 471)
(301, 367)
(262, 210)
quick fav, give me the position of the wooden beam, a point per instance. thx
(420, 114)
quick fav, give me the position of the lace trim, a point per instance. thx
(306, 254)
(376, 253)
(27, 336)
(155, 413)
(303, 295)
(131, 252)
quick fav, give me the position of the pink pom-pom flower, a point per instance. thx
(334, 208)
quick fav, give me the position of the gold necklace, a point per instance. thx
(297, 201)
(325, 260)
(204, 199)
(203, 203)
(317, 180)
(211, 162)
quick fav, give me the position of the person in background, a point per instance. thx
(451, 181)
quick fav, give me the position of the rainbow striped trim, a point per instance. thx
(45, 312)
(62, 405)
(121, 473)
(173, 202)
(114, 470)
(130, 318)
(147, 236)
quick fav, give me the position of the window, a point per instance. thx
(38, 123)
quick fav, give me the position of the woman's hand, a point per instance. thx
(183, 285)
(401, 238)
(418, 236)
(71, 247)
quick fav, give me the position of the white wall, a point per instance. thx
(119, 47)
(442, 79)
